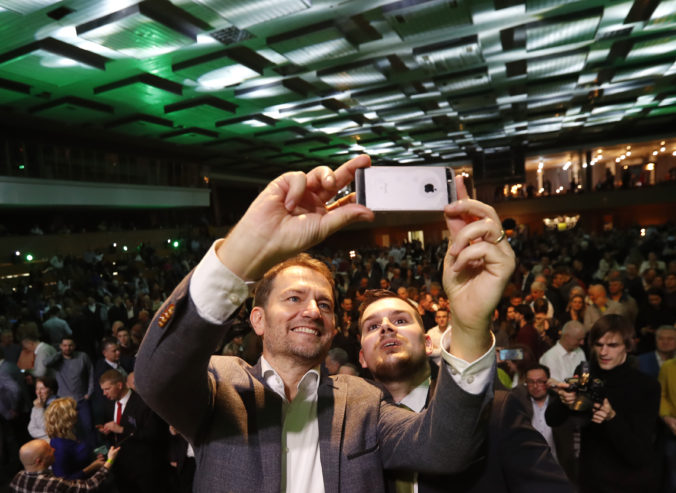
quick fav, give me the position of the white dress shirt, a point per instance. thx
(415, 401)
(301, 464)
(541, 425)
(217, 293)
(123, 401)
(560, 362)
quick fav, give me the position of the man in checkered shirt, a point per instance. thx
(36, 457)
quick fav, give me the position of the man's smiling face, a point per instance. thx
(392, 339)
(297, 320)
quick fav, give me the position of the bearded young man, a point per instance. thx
(395, 349)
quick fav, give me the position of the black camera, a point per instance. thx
(589, 390)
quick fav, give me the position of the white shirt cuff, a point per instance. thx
(472, 377)
(216, 292)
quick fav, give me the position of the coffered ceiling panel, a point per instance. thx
(293, 83)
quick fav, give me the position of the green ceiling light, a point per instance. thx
(29, 257)
(176, 244)
(125, 248)
(21, 166)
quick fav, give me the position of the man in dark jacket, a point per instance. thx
(395, 349)
(617, 443)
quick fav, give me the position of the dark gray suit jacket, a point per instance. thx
(516, 459)
(234, 420)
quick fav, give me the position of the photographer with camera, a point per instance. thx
(619, 406)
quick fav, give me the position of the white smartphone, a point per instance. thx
(412, 188)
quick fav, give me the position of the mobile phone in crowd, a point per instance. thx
(411, 188)
(511, 354)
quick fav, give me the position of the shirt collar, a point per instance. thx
(415, 400)
(535, 406)
(126, 397)
(308, 385)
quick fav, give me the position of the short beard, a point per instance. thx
(317, 353)
(398, 369)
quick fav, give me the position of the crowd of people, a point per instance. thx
(70, 336)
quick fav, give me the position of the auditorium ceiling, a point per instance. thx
(255, 87)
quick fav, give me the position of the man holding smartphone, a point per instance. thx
(283, 425)
(395, 349)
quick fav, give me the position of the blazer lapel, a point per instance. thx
(269, 429)
(331, 401)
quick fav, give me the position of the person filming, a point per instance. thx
(618, 406)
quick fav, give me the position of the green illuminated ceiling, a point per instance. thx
(260, 86)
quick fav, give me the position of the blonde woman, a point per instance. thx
(71, 457)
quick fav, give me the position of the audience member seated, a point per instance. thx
(562, 358)
(670, 292)
(547, 328)
(127, 347)
(617, 293)
(665, 349)
(652, 315)
(600, 305)
(527, 335)
(335, 358)
(45, 394)
(575, 309)
(72, 459)
(537, 292)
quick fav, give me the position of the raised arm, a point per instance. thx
(477, 267)
(289, 216)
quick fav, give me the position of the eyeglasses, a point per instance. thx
(535, 382)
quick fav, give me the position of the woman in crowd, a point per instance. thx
(71, 457)
(574, 310)
(45, 392)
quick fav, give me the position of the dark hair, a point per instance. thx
(373, 295)
(538, 366)
(301, 260)
(525, 311)
(107, 341)
(616, 324)
(655, 292)
(49, 382)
